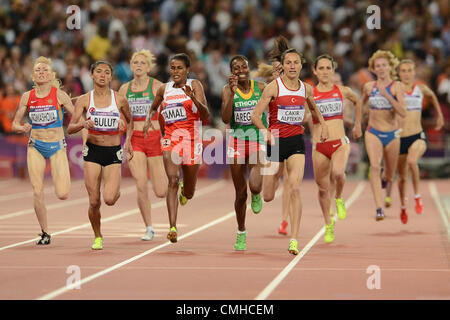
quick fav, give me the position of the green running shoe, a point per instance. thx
(98, 244)
(340, 208)
(182, 198)
(293, 247)
(329, 232)
(172, 235)
(256, 203)
(241, 242)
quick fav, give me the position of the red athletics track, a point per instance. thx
(413, 259)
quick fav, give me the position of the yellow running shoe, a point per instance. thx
(340, 208)
(293, 247)
(182, 198)
(387, 202)
(172, 235)
(329, 232)
(98, 244)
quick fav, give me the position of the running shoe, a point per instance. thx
(329, 232)
(387, 202)
(172, 235)
(148, 236)
(340, 208)
(98, 244)
(404, 216)
(182, 198)
(241, 242)
(293, 247)
(45, 238)
(283, 227)
(256, 203)
(380, 215)
(419, 206)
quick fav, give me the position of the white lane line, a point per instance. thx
(279, 278)
(250, 268)
(62, 204)
(94, 276)
(434, 193)
(156, 205)
(21, 195)
(8, 182)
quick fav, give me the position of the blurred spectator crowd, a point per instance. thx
(212, 31)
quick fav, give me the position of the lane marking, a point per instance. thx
(156, 205)
(280, 277)
(21, 195)
(225, 268)
(94, 276)
(63, 204)
(8, 182)
(434, 193)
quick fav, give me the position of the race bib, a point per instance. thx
(139, 109)
(242, 116)
(174, 112)
(329, 107)
(413, 103)
(105, 121)
(291, 114)
(380, 103)
(43, 116)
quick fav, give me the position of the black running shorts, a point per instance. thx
(102, 155)
(406, 142)
(285, 147)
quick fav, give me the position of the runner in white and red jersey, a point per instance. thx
(330, 157)
(412, 138)
(287, 98)
(103, 152)
(182, 104)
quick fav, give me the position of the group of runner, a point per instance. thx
(266, 119)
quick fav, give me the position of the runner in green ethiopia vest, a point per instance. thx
(140, 101)
(245, 144)
(241, 125)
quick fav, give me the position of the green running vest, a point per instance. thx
(241, 125)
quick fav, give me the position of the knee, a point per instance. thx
(94, 204)
(110, 199)
(411, 162)
(241, 196)
(294, 189)
(375, 168)
(188, 194)
(337, 175)
(161, 192)
(38, 193)
(268, 196)
(174, 182)
(62, 194)
(141, 187)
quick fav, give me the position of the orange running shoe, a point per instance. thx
(404, 216)
(419, 207)
(282, 228)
